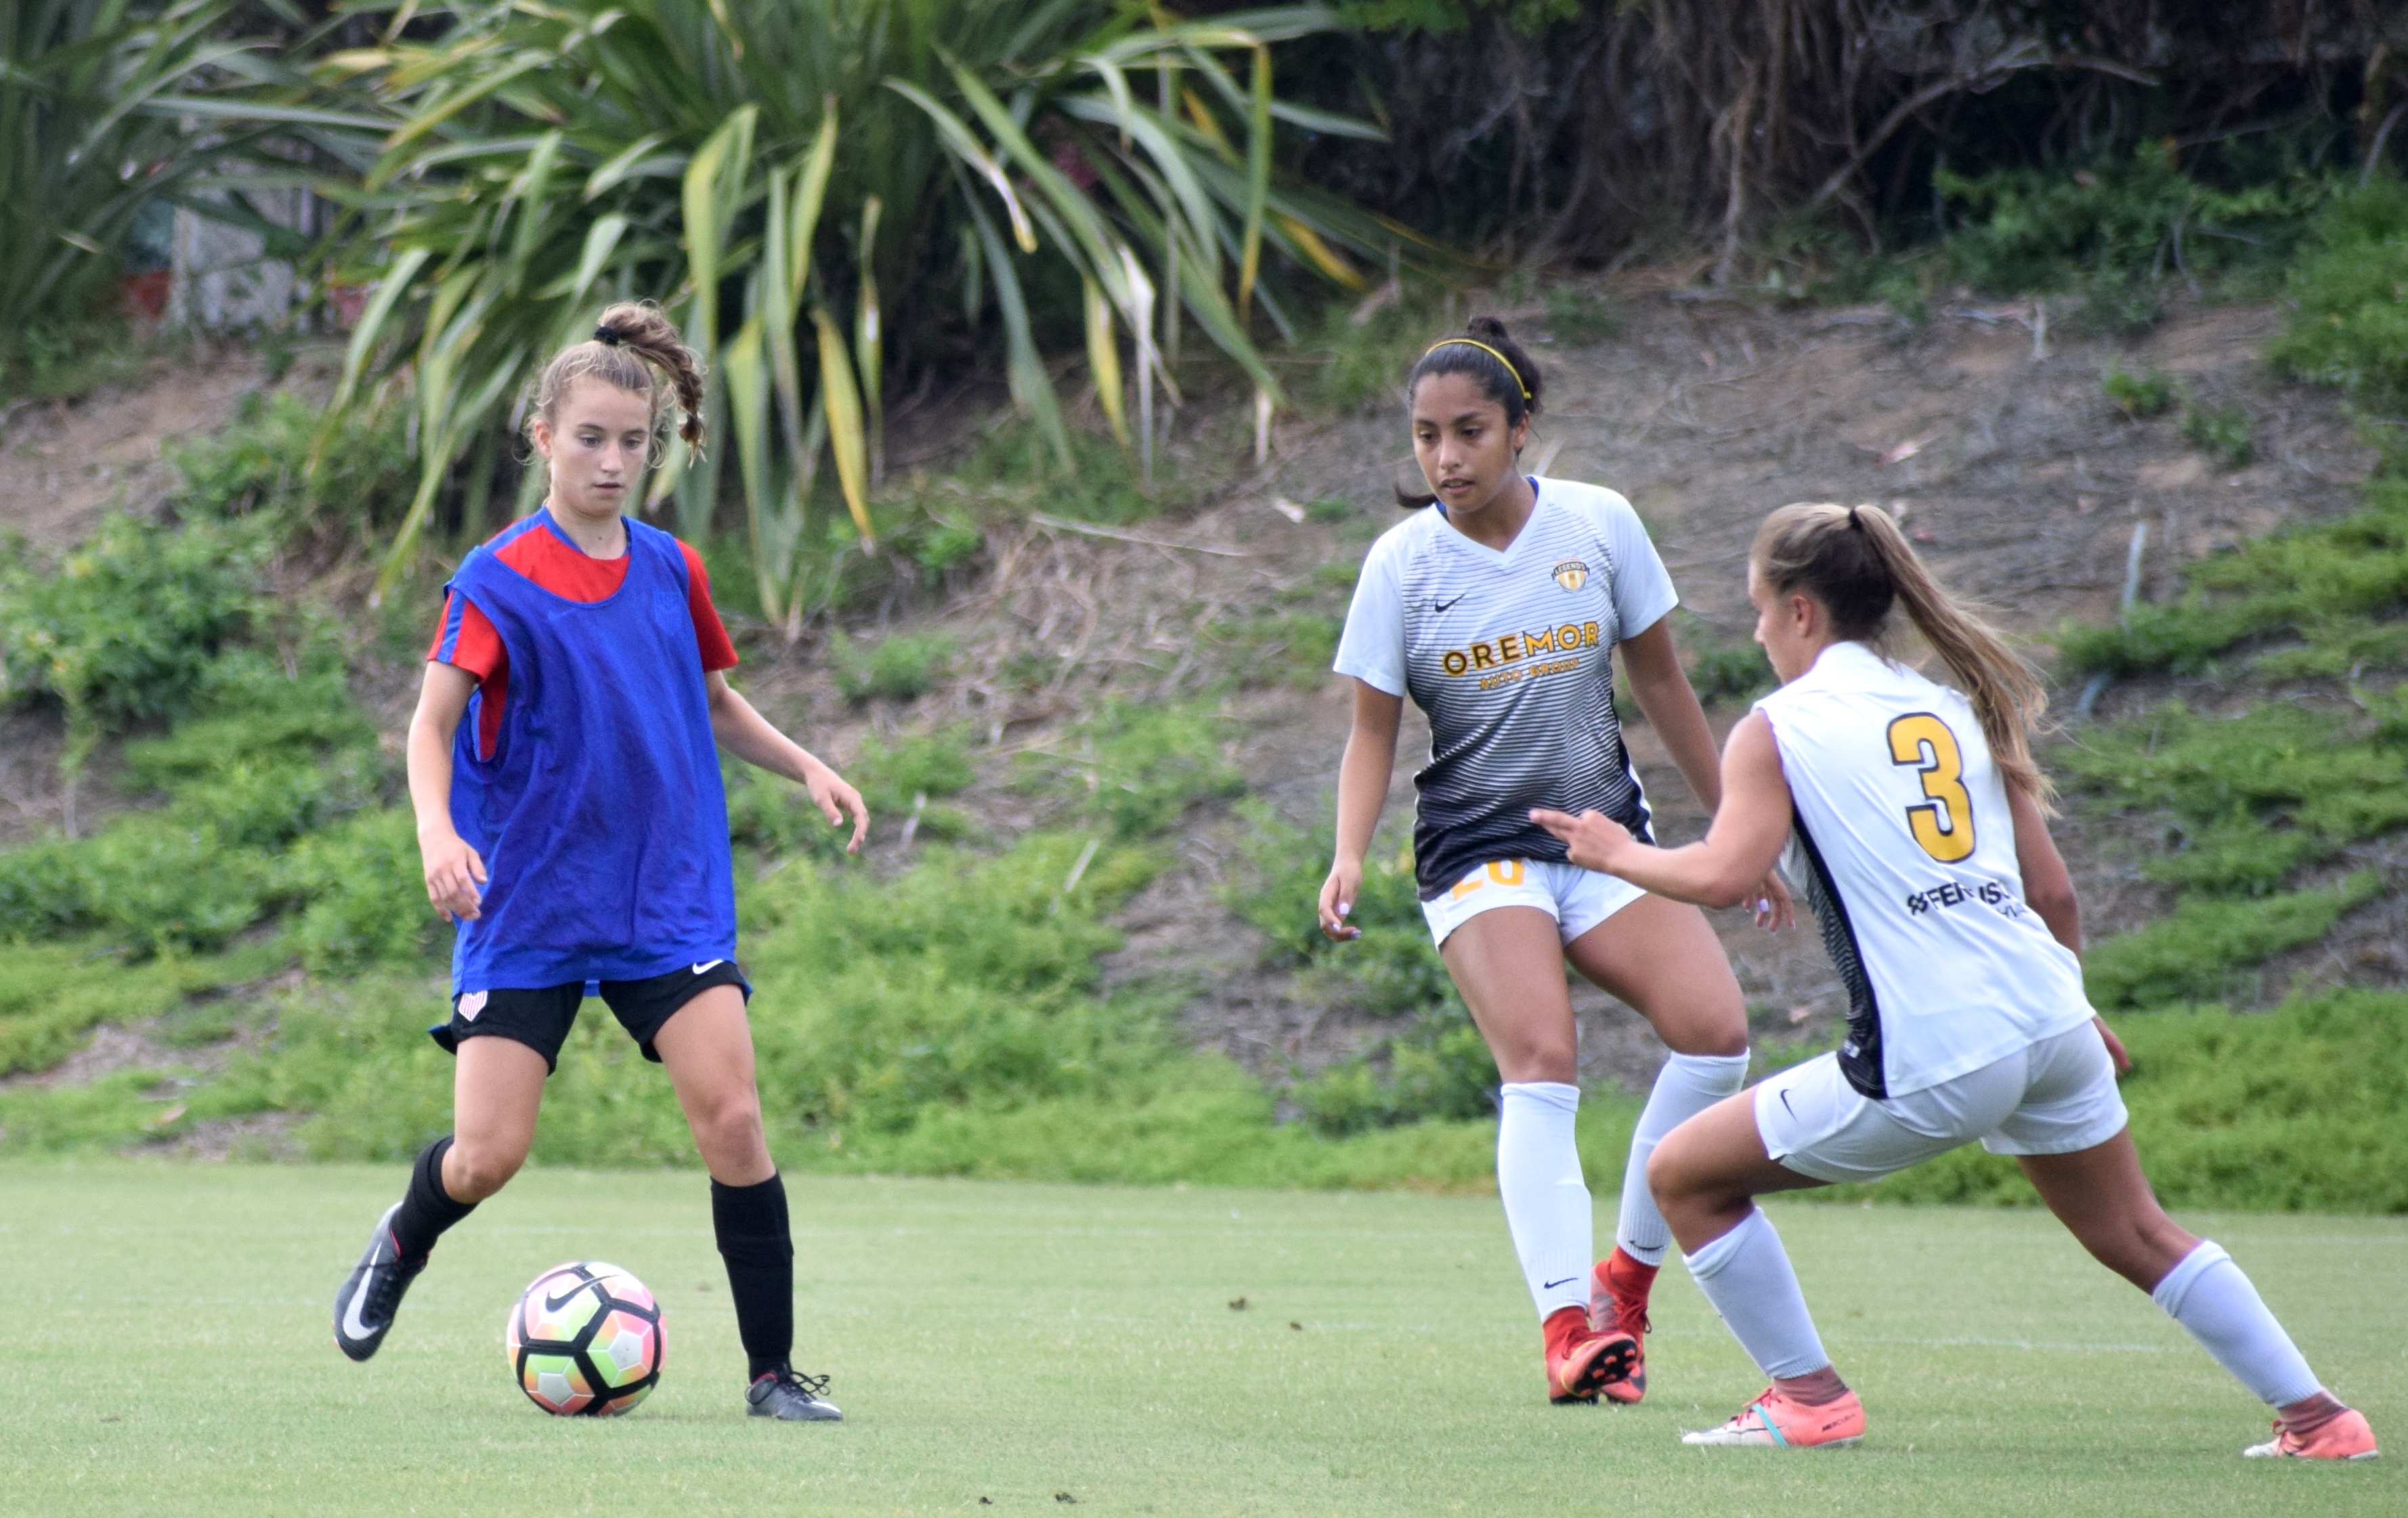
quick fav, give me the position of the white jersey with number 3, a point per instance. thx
(1907, 854)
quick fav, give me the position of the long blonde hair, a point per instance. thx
(1855, 561)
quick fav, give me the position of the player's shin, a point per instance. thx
(1547, 1207)
(1685, 1087)
(426, 1209)
(2211, 1298)
(1747, 1275)
(757, 1244)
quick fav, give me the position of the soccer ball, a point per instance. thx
(585, 1339)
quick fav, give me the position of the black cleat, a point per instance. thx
(783, 1395)
(365, 1305)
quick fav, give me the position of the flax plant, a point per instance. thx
(792, 174)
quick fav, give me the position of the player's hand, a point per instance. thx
(1591, 839)
(1338, 898)
(2114, 1046)
(453, 872)
(1772, 908)
(838, 801)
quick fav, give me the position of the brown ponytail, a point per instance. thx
(1855, 561)
(634, 348)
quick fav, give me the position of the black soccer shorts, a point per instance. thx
(542, 1018)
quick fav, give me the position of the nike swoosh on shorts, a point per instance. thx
(708, 964)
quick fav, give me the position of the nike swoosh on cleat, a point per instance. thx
(353, 1324)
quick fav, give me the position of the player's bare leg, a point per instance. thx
(707, 1045)
(1508, 963)
(497, 1089)
(1661, 959)
(2102, 1194)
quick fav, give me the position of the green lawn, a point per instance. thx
(1017, 1341)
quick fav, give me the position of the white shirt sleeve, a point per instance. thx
(1372, 646)
(1643, 588)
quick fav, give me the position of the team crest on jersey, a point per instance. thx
(1572, 574)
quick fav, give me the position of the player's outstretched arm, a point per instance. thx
(452, 870)
(1664, 694)
(1362, 790)
(1749, 830)
(743, 732)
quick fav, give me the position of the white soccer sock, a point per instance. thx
(1685, 1087)
(1745, 1274)
(1546, 1201)
(2213, 1299)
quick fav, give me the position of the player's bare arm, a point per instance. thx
(1664, 694)
(1726, 869)
(2048, 891)
(1362, 791)
(743, 731)
(453, 870)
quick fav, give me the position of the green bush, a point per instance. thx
(124, 626)
(260, 464)
(2148, 394)
(2198, 952)
(899, 668)
(1737, 673)
(1292, 649)
(2111, 230)
(2224, 431)
(1140, 768)
(2349, 327)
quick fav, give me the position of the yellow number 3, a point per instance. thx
(1944, 825)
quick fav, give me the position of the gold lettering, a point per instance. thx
(1509, 646)
(1588, 634)
(1539, 642)
(1482, 656)
(1568, 637)
(1452, 662)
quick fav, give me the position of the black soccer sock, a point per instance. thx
(427, 1209)
(759, 1249)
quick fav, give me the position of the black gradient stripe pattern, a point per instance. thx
(1860, 1052)
(1546, 741)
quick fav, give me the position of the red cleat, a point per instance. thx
(2345, 1438)
(1618, 1304)
(1582, 1362)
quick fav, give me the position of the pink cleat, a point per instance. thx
(1773, 1421)
(2343, 1437)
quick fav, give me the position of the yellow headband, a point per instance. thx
(1474, 342)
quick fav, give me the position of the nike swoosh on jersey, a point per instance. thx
(708, 964)
(1444, 606)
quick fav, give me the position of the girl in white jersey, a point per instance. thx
(1497, 608)
(1918, 819)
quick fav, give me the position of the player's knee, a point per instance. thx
(728, 1122)
(474, 1171)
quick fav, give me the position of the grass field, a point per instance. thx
(170, 1353)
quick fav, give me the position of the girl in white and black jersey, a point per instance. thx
(1496, 608)
(1918, 822)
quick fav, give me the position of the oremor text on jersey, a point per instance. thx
(1508, 655)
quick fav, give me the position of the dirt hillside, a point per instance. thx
(1987, 433)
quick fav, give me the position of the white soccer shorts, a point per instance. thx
(1578, 899)
(2051, 1098)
